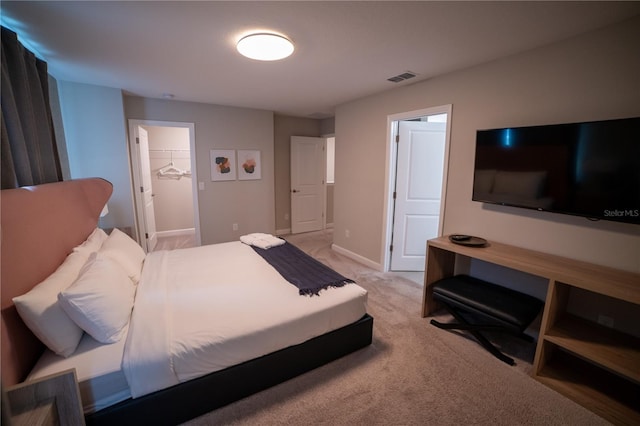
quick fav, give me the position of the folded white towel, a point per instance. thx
(263, 241)
(247, 239)
(250, 239)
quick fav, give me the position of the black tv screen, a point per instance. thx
(589, 169)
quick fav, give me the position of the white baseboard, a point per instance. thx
(283, 231)
(354, 256)
(288, 230)
(176, 232)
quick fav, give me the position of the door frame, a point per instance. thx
(326, 183)
(150, 239)
(390, 173)
(135, 171)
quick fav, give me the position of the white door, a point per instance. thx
(149, 232)
(308, 163)
(419, 174)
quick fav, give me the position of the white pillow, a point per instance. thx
(523, 184)
(126, 252)
(40, 311)
(93, 242)
(100, 300)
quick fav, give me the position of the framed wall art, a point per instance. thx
(223, 164)
(249, 165)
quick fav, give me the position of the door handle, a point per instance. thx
(294, 190)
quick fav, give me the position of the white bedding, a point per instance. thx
(228, 303)
(98, 369)
(228, 306)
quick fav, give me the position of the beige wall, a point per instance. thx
(250, 204)
(284, 127)
(327, 126)
(591, 77)
(330, 204)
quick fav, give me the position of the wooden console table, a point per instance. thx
(596, 366)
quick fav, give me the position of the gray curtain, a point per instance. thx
(29, 154)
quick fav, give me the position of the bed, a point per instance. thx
(45, 225)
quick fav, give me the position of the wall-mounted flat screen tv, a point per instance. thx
(589, 169)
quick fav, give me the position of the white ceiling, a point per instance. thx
(344, 50)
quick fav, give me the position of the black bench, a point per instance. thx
(498, 308)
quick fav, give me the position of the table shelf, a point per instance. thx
(615, 351)
(568, 346)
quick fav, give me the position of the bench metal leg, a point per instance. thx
(475, 331)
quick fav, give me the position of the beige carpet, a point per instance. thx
(412, 374)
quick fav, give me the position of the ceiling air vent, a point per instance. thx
(401, 77)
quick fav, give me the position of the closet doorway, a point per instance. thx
(165, 184)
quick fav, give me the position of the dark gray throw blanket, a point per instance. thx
(302, 270)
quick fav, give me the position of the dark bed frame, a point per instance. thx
(45, 222)
(199, 396)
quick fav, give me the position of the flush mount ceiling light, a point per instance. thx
(265, 46)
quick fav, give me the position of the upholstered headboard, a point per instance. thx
(40, 227)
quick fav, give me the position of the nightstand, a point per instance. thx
(51, 400)
(126, 229)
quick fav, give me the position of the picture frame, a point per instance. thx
(223, 164)
(249, 164)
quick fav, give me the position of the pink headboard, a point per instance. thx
(40, 227)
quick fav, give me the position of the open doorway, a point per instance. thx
(164, 175)
(418, 153)
(331, 181)
(308, 186)
(312, 171)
